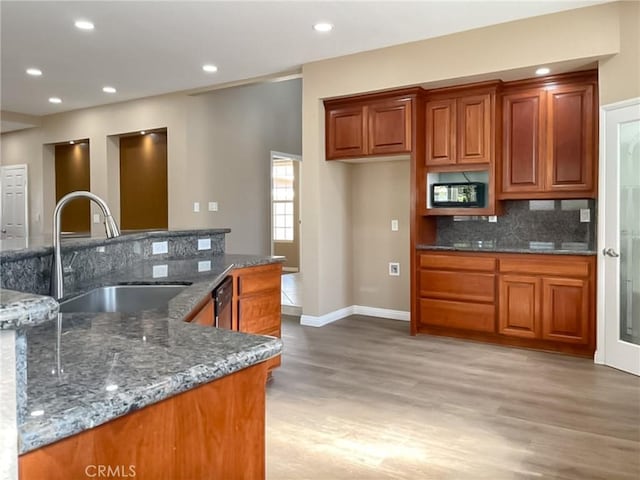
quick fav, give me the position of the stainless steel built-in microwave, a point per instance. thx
(457, 195)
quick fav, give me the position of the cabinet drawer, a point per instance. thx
(259, 314)
(259, 279)
(457, 262)
(475, 287)
(545, 265)
(467, 316)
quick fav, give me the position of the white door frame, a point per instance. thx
(24, 166)
(602, 356)
(274, 156)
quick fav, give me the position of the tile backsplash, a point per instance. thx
(526, 221)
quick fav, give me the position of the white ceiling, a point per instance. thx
(154, 47)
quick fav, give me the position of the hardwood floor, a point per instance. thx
(361, 399)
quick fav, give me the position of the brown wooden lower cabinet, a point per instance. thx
(257, 302)
(214, 431)
(540, 301)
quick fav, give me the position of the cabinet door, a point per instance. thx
(523, 150)
(474, 129)
(519, 307)
(565, 310)
(570, 137)
(441, 132)
(390, 127)
(346, 132)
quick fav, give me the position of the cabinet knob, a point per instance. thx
(610, 252)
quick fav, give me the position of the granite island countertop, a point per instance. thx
(489, 246)
(85, 369)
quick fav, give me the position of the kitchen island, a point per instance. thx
(142, 390)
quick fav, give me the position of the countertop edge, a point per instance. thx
(26, 309)
(172, 385)
(534, 251)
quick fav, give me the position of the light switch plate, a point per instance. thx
(160, 271)
(585, 215)
(213, 206)
(493, 219)
(159, 247)
(394, 269)
(394, 225)
(204, 244)
(196, 207)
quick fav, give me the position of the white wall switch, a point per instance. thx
(493, 219)
(96, 218)
(585, 215)
(213, 206)
(159, 247)
(100, 249)
(394, 225)
(394, 269)
(204, 244)
(196, 207)
(204, 266)
(160, 271)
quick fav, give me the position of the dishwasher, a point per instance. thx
(222, 302)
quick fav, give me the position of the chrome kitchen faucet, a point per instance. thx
(110, 228)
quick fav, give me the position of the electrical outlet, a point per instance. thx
(585, 215)
(204, 244)
(196, 207)
(394, 269)
(159, 247)
(204, 266)
(96, 218)
(493, 219)
(394, 225)
(213, 206)
(160, 271)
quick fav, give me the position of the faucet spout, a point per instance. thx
(110, 227)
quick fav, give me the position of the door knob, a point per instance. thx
(610, 252)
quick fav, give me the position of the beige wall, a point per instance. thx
(582, 35)
(218, 146)
(374, 245)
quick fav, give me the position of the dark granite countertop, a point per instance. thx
(88, 368)
(18, 309)
(550, 248)
(17, 248)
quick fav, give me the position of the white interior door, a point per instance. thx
(14, 209)
(619, 236)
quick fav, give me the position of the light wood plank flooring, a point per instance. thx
(361, 399)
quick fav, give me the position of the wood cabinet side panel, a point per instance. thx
(206, 315)
(214, 431)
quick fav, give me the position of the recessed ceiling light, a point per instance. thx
(84, 25)
(36, 72)
(142, 132)
(55, 100)
(71, 142)
(542, 71)
(323, 27)
(108, 90)
(209, 68)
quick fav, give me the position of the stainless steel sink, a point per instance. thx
(122, 298)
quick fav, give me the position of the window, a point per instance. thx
(282, 199)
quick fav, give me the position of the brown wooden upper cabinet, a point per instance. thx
(549, 138)
(459, 130)
(361, 127)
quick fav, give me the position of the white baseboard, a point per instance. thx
(322, 320)
(382, 313)
(291, 310)
(598, 357)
